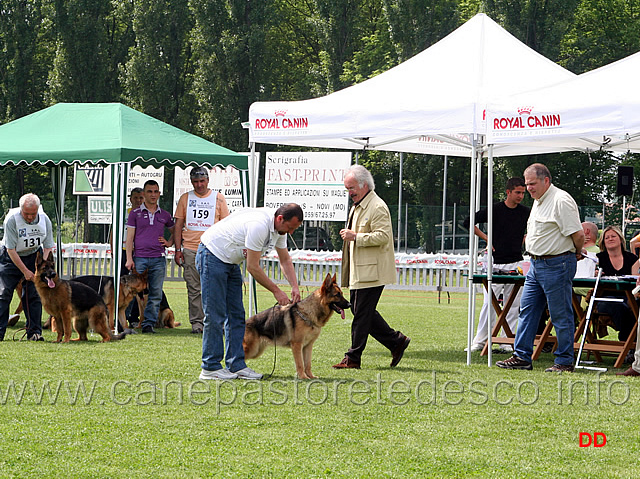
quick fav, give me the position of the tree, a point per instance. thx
(229, 45)
(158, 75)
(603, 31)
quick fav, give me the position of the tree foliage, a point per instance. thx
(200, 64)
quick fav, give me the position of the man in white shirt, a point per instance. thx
(554, 242)
(26, 231)
(244, 235)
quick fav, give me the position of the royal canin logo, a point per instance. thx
(525, 120)
(282, 122)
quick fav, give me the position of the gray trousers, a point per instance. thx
(192, 278)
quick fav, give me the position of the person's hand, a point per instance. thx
(164, 242)
(581, 254)
(130, 265)
(295, 295)
(29, 276)
(281, 297)
(347, 235)
(179, 258)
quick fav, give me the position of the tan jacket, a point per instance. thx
(369, 261)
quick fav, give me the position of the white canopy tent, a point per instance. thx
(434, 103)
(598, 109)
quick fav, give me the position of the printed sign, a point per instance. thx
(91, 180)
(99, 208)
(314, 180)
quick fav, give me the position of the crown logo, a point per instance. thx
(525, 109)
(280, 112)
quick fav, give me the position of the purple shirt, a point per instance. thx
(148, 228)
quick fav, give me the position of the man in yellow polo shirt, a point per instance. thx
(197, 210)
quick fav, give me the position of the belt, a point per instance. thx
(549, 256)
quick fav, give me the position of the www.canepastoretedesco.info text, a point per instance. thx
(430, 391)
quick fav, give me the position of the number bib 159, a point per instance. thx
(201, 212)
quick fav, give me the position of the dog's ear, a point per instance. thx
(50, 257)
(326, 284)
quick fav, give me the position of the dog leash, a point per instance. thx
(275, 347)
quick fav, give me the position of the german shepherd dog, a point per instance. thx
(69, 301)
(166, 317)
(296, 326)
(130, 285)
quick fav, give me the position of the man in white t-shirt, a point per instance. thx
(244, 235)
(26, 231)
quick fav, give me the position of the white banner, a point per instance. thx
(226, 181)
(139, 175)
(314, 180)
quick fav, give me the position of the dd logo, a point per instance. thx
(598, 439)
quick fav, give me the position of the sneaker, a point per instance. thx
(148, 330)
(560, 368)
(514, 362)
(247, 373)
(35, 337)
(503, 349)
(13, 319)
(196, 330)
(219, 374)
(475, 347)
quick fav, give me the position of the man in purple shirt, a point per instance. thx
(146, 247)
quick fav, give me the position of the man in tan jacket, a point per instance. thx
(368, 263)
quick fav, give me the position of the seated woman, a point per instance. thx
(615, 260)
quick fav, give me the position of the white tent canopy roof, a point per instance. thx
(432, 103)
(596, 109)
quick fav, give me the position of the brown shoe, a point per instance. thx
(628, 372)
(346, 363)
(560, 368)
(396, 354)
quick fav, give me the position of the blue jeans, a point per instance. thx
(157, 268)
(548, 282)
(221, 285)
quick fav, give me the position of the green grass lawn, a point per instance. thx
(135, 408)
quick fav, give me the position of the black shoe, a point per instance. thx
(514, 362)
(196, 329)
(396, 354)
(148, 330)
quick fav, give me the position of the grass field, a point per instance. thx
(135, 408)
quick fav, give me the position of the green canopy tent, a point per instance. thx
(104, 134)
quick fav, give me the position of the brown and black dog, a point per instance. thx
(130, 285)
(296, 326)
(166, 317)
(71, 302)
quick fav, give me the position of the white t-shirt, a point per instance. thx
(249, 228)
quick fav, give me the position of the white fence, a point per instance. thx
(424, 272)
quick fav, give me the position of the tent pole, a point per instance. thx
(119, 181)
(400, 203)
(472, 249)
(59, 179)
(444, 203)
(489, 249)
(253, 198)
